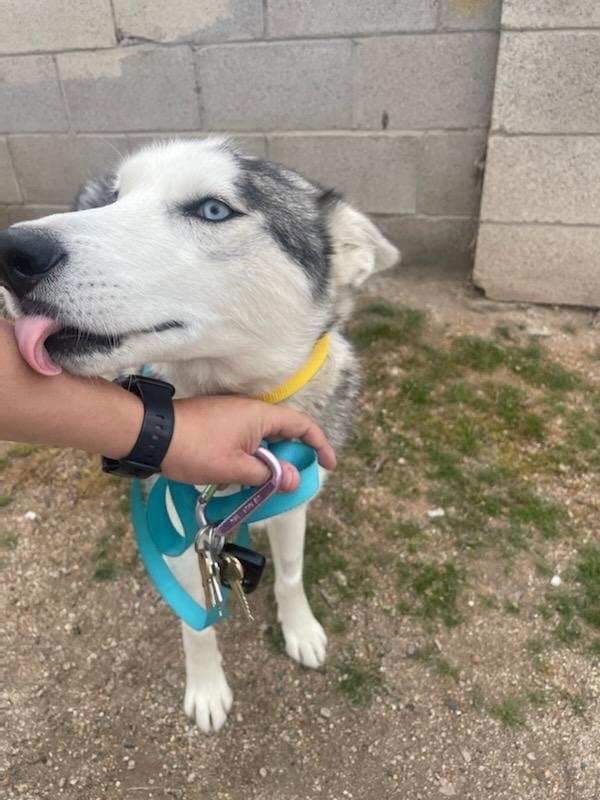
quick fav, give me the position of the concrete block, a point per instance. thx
(450, 174)
(52, 168)
(467, 15)
(9, 188)
(548, 82)
(543, 179)
(293, 85)
(189, 20)
(429, 240)
(539, 263)
(550, 14)
(30, 98)
(133, 88)
(438, 81)
(26, 213)
(250, 144)
(30, 25)
(314, 17)
(376, 173)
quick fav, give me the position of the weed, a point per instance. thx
(8, 540)
(435, 589)
(509, 712)
(358, 682)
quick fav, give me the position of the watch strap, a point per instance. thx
(156, 432)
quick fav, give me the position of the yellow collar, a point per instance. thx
(300, 378)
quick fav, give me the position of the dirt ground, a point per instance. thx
(463, 676)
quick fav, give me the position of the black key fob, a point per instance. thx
(253, 564)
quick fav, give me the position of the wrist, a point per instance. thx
(128, 418)
(146, 455)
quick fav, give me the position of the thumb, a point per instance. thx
(252, 471)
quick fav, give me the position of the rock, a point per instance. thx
(435, 513)
(447, 788)
(30, 515)
(556, 580)
(325, 712)
(540, 331)
(263, 772)
(340, 578)
(191, 777)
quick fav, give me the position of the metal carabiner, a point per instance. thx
(218, 533)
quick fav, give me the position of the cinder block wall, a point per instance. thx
(540, 233)
(387, 100)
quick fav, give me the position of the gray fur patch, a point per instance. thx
(293, 213)
(95, 193)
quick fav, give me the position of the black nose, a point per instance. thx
(26, 255)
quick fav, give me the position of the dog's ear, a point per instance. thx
(358, 247)
(95, 193)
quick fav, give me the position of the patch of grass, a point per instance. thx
(512, 608)
(275, 640)
(416, 390)
(537, 697)
(5, 499)
(531, 364)
(446, 669)
(22, 450)
(434, 590)
(509, 712)
(477, 354)
(8, 540)
(381, 308)
(105, 570)
(587, 573)
(511, 409)
(380, 321)
(578, 703)
(357, 681)
(536, 645)
(528, 508)
(105, 567)
(407, 529)
(594, 648)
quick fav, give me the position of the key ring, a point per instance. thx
(218, 533)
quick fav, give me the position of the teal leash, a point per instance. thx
(157, 537)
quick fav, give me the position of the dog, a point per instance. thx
(220, 271)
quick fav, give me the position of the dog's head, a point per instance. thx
(191, 251)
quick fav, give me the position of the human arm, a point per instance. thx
(213, 437)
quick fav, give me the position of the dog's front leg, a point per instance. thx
(305, 639)
(208, 697)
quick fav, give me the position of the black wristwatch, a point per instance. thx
(157, 428)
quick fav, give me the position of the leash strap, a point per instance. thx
(157, 536)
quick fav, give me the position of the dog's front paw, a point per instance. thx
(305, 639)
(208, 700)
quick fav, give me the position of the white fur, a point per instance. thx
(250, 321)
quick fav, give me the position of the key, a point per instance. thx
(232, 574)
(209, 572)
(253, 564)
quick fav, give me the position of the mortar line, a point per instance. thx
(291, 134)
(541, 224)
(250, 42)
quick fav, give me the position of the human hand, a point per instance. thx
(215, 437)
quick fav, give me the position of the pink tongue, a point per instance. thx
(31, 334)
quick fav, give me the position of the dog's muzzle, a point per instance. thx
(27, 255)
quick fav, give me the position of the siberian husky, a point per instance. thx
(220, 271)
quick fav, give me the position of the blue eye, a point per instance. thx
(213, 210)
